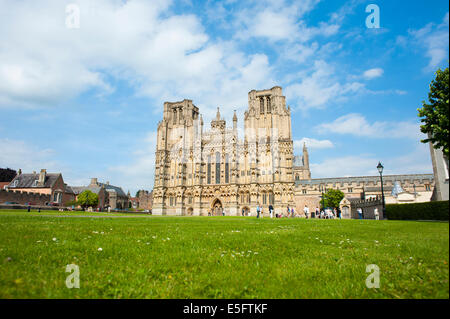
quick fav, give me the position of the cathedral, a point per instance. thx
(214, 171)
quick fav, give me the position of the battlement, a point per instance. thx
(23, 197)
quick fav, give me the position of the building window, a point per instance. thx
(174, 116)
(427, 187)
(227, 168)
(261, 105)
(190, 200)
(217, 168)
(264, 196)
(35, 183)
(16, 182)
(209, 170)
(350, 190)
(269, 105)
(304, 191)
(271, 198)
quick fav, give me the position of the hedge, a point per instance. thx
(418, 211)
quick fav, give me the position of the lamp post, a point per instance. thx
(380, 170)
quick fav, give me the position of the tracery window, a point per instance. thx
(227, 169)
(217, 168)
(209, 170)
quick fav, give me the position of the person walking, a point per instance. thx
(376, 213)
(360, 212)
(306, 211)
(322, 214)
(271, 211)
(258, 209)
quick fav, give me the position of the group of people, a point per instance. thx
(322, 214)
(290, 212)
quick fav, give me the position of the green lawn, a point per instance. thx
(219, 257)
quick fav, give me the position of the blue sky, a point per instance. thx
(86, 101)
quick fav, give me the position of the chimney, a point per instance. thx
(42, 176)
(94, 182)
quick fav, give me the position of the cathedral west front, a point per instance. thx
(213, 171)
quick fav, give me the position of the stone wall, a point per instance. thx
(368, 207)
(23, 197)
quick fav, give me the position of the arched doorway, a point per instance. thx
(245, 211)
(190, 211)
(345, 212)
(216, 207)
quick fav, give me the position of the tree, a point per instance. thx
(7, 174)
(435, 115)
(87, 199)
(332, 198)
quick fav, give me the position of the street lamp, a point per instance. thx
(380, 170)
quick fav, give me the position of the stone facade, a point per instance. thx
(416, 188)
(201, 172)
(145, 200)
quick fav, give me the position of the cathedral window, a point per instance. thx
(227, 169)
(271, 198)
(174, 116)
(209, 170)
(264, 196)
(217, 168)
(269, 105)
(261, 105)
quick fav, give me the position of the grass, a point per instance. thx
(219, 257)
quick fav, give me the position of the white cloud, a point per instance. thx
(276, 20)
(356, 124)
(19, 154)
(312, 143)
(320, 87)
(434, 38)
(344, 166)
(417, 161)
(373, 73)
(162, 55)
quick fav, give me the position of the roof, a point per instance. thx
(96, 189)
(27, 180)
(77, 190)
(112, 188)
(3, 184)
